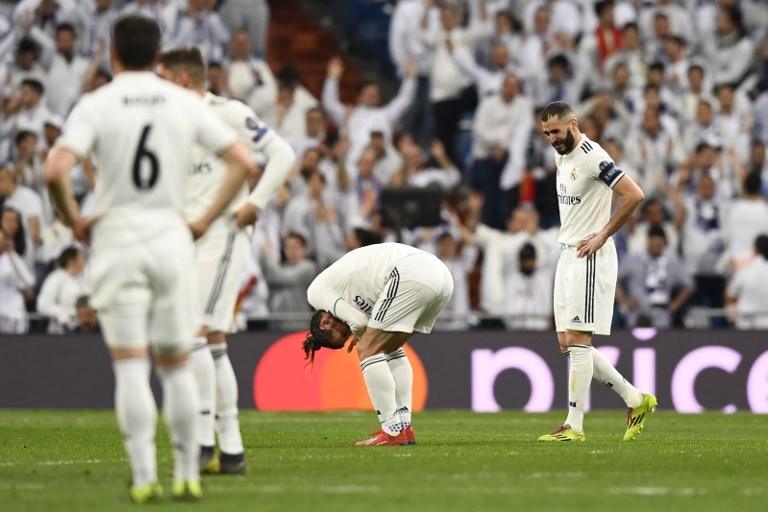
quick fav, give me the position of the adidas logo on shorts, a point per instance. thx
(576, 319)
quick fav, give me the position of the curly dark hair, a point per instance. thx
(316, 338)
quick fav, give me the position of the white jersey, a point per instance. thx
(208, 171)
(350, 287)
(585, 177)
(137, 130)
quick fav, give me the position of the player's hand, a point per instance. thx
(590, 245)
(81, 229)
(198, 228)
(352, 343)
(246, 215)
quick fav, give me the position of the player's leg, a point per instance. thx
(402, 374)
(172, 325)
(218, 316)
(204, 370)
(640, 405)
(574, 324)
(373, 347)
(232, 458)
(212, 254)
(121, 296)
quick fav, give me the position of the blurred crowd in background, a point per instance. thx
(675, 90)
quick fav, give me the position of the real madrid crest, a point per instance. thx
(573, 174)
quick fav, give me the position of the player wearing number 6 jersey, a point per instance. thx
(138, 130)
(585, 279)
(221, 255)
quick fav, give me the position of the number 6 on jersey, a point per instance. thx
(140, 179)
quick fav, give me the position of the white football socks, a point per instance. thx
(180, 408)
(381, 388)
(137, 417)
(578, 384)
(605, 373)
(230, 439)
(202, 365)
(402, 373)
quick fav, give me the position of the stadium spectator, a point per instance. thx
(25, 205)
(312, 214)
(368, 116)
(731, 51)
(251, 16)
(488, 81)
(748, 290)
(197, 25)
(501, 131)
(653, 214)
(291, 106)
(528, 288)
(87, 320)
(459, 259)
(16, 284)
(746, 219)
(29, 109)
(61, 290)
(250, 78)
(451, 92)
(65, 69)
(405, 44)
(653, 284)
(288, 281)
(422, 172)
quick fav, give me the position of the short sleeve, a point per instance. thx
(211, 132)
(602, 167)
(79, 135)
(251, 129)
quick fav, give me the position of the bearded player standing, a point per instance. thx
(585, 279)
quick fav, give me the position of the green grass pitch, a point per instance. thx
(74, 460)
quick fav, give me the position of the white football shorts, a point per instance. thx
(585, 289)
(221, 258)
(418, 289)
(146, 293)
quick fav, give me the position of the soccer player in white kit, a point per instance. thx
(585, 279)
(221, 255)
(138, 130)
(375, 298)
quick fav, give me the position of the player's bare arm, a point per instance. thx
(631, 196)
(59, 163)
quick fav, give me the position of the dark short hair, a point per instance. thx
(34, 84)
(556, 109)
(67, 255)
(601, 5)
(137, 41)
(315, 338)
(27, 45)
(83, 302)
(66, 27)
(693, 67)
(298, 236)
(527, 252)
(23, 134)
(657, 231)
(631, 25)
(656, 66)
(188, 59)
(761, 245)
(753, 183)
(214, 64)
(367, 237)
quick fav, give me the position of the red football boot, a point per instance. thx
(381, 438)
(410, 435)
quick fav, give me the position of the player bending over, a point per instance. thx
(139, 129)
(376, 297)
(585, 279)
(221, 256)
